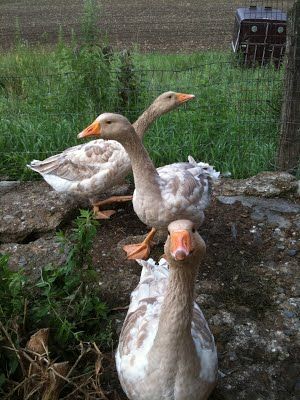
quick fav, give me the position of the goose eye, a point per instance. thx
(108, 122)
(169, 233)
(193, 230)
(169, 97)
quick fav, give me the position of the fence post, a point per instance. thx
(289, 146)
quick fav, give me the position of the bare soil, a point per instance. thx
(155, 26)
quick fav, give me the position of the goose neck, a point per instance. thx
(144, 171)
(176, 314)
(145, 120)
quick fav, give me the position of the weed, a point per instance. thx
(129, 86)
(12, 304)
(66, 299)
(69, 297)
(11, 289)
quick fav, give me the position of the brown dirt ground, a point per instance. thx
(230, 254)
(159, 25)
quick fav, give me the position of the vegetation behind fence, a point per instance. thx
(46, 98)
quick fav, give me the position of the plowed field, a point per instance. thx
(156, 25)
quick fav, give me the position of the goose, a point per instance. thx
(162, 195)
(92, 169)
(166, 350)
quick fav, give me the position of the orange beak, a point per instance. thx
(181, 245)
(92, 130)
(183, 98)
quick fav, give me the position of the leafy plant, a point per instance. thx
(69, 298)
(129, 86)
(11, 290)
(66, 299)
(90, 19)
(12, 304)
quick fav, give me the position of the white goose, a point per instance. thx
(166, 350)
(92, 169)
(176, 191)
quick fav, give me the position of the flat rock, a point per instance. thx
(264, 184)
(30, 209)
(278, 205)
(6, 186)
(35, 255)
(276, 211)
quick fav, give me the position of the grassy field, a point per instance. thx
(48, 96)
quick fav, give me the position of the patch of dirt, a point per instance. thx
(159, 25)
(226, 258)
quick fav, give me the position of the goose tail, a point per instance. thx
(206, 168)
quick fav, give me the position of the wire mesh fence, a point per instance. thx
(231, 118)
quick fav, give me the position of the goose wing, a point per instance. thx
(85, 165)
(145, 300)
(141, 323)
(79, 162)
(205, 345)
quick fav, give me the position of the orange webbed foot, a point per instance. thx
(137, 251)
(140, 250)
(103, 214)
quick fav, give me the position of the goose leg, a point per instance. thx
(140, 250)
(106, 214)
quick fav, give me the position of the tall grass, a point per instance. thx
(48, 95)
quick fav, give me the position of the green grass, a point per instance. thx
(48, 96)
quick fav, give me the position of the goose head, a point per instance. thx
(108, 126)
(184, 245)
(170, 100)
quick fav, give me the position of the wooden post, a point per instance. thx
(288, 156)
